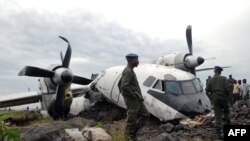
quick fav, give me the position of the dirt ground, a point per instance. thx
(113, 120)
(199, 129)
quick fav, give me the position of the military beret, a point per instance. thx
(218, 68)
(131, 56)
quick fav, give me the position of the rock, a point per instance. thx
(80, 123)
(248, 103)
(96, 134)
(76, 134)
(104, 111)
(178, 127)
(241, 103)
(46, 132)
(164, 137)
(101, 115)
(168, 127)
(197, 138)
(243, 112)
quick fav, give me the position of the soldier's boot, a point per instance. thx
(130, 131)
(220, 133)
(143, 117)
(140, 123)
(228, 122)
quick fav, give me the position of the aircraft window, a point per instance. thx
(173, 87)
(197, 85)
(149, 81)
(188, 87)
(158, 85)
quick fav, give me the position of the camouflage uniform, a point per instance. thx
(209, 95)
(219, 88)
(136, 111)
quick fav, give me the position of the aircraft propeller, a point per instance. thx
(200, 60)
(61, 77)
(189, 39)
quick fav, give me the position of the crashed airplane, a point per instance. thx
(169, 86)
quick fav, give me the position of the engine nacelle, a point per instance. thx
(181, 61)
(50, 84)
(62, 76)
(193, 61)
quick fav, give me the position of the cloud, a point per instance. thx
(30, 37)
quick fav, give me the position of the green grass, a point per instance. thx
(9, 134)
(43, 120)
(7, 114)
(100, 124)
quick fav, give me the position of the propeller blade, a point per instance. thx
(211, 58)
(206, 69)
(81, 80)
(66, 59)
(59, 103)
(189, 39)
(35, 71)
(61, 55)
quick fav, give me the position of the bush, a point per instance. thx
(117, 131)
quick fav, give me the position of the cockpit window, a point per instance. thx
(173, 87)
(158, 85)
(149, 81)
(182, 87)
(188, 87)
(197, 85)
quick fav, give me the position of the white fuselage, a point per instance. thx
(107, 84)
(163, 106)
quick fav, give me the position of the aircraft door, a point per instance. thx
(115, 92)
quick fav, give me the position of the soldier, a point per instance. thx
(209, 94)
(208, 78)
(219, 87)
(231, 88)
(137, 113)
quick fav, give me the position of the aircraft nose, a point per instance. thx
(195, 107)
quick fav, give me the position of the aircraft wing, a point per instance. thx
(79, 91)
(33, 97)
(19, 99)
(206, 69)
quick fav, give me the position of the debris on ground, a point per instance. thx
(46, 132)
(96, 134)
(76, 134)
(112, 120)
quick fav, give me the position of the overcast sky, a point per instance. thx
(103, 32)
